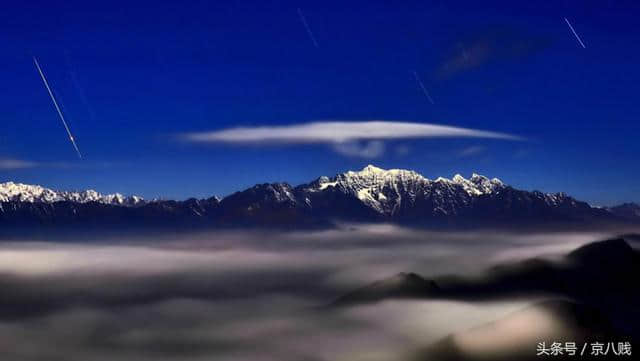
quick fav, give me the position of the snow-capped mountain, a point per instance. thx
(389, 191)
(18, 192)
(404, 196)
(369, 195)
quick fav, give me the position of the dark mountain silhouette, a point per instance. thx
(626, 210)
(402, 285)
(370, 195)
(592, 292)
(611, 265)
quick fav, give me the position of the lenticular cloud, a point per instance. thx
(340, 132)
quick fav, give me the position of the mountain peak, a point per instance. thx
(458, 178)
(615, 250)
(370, 195)
(626, 210)
(402, 285)
(377, 172)
(388, 191)
(19, 192)
(372, 169)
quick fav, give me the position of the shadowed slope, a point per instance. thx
(516, 336)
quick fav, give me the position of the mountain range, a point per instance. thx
(369, 195)
(588, 295)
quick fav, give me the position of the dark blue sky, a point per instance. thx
(133, 77)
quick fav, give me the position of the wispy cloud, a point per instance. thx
(335, 132)
(17, 164)
(9, 164)
(402, 150)
(490, 44)
(371, 149)
(471, 151)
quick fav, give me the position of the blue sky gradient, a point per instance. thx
(132, 77)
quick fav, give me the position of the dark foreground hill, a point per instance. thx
(592, 296)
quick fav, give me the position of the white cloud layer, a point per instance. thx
(335, 132)
(8, 164)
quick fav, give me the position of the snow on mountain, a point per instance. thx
(370, 195)
(387, 191)
(18, 192)
(390, 193)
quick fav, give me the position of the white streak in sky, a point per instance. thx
(424, 90)
(55, 103)
(306, 26)
(574, 33)
(333, 132)
(10, 164)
